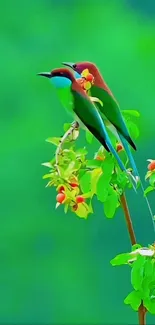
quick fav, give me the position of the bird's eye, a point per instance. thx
(74, 66)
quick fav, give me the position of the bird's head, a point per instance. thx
(80, 66)
(61, 72)
(59, 77)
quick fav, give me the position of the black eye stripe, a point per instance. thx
(74, 66)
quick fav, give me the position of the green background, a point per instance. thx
(54, 268)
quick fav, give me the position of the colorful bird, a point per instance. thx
(110, 110)
(76, 100)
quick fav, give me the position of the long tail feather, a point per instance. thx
(115, 133)
(121, 165)
(129, 154)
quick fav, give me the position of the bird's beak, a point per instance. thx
(68, 64)
(45, 74)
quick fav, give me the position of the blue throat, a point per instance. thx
(62, 82)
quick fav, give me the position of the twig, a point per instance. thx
(74, 126)
(128, 219)
(142, 310)
(142, 315)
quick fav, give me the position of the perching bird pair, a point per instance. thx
(94, 115)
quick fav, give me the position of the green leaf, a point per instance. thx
(69, 155)
(145, 288)
(87, 195)
(108, 166)
(66, 126)
(85, 182)
(110, 205)
(89, 136)
(121, 259)
(133, 130)
(137, 272)
(149, 303)
(148, 190)
(93, 163)
(81, 152)
(133, 299)
(66, 208)
(47, 176)
(131, 112)
(152, 180)
(148, 267)
(104, 180)
(72, 167)
(47, 164)
(136, 246)
(102, 188)
(148, 174)
(95, 174)
(55, 141)
(122, 179)
(83, 210)
(90, 207)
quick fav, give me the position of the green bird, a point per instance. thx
(110, 112)
(77, 102)
(110, 109)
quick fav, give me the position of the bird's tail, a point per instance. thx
(121, 165)
(136, 174)
(129, 155)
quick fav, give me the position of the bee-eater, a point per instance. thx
(111, 111)
(110, 108)
(78, 102)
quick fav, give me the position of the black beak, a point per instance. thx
(68, 64)
(45, 74)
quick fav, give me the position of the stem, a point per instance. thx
(141, 310)
(128, 219)
(142, 315)
(74, 126)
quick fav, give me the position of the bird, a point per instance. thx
(79, 104)
(110, 111)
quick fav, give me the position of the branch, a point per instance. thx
(128, 219)
(142, 310)
(74, 126)
(142, 314)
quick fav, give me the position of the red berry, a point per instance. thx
(60, 197)
(119, 147)
(61, 189)
(151, 166)
(80, 199)
(73, 185)
(89, 77)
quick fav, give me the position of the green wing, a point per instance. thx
(90, 117)
(112, 112)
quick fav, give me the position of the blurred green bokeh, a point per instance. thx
(54, 268)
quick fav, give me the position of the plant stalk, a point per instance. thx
(74, 126)
(142, 315)
(142, 310)
(128, 219)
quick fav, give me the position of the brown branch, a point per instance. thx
(142, 310)
(142, 315)
(128, 219)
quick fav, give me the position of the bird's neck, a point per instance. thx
(99, 81)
